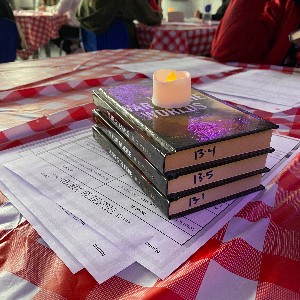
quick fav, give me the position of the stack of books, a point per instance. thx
(184, 159)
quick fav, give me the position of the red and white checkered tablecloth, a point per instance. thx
(189, 39)
(38, 29)
(256, 255)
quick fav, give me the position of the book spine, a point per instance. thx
(132, 153)
(189, 204)
(153, 151)
(137, 176)
(216, 202)
(186, 184)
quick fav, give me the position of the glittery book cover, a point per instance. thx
(183, 204)
(203, 132)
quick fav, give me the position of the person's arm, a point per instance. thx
(247, 31)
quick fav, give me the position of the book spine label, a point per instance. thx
(158, 199)
(132, 153)
(153, 151)
(216, 202)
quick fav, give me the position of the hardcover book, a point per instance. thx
(181, 205)
(205, 131)
(173, 182)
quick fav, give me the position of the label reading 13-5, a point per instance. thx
(199, 177)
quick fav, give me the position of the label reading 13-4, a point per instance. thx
(200, 153)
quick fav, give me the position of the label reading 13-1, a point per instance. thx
(193, 201)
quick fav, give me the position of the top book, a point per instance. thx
(205, 132)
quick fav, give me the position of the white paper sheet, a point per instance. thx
(280, 91)
(252, 103)
(196, 66)
(77, 129)
(61, 251)
(62, 230)
(99, 256)
(83, 179)
(286, 148)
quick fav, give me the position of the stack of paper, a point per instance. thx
(93, 216)
(266, 90)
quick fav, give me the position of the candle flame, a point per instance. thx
(171, 76)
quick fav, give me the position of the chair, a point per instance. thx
(116, 37)
(8, 40)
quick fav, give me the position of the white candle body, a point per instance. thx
(171, 94)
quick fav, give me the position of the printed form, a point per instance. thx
(58, 246)
(82, 178)
(262, 89)
(75, 243)
(91, 250)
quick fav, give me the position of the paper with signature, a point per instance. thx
(83, 179)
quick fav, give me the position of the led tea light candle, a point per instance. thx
(171, 89)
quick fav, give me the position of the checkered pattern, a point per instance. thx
(71, 70)
(256, 255)
(38, 28)
(186, 39)
(60, 92)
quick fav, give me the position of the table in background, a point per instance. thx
(188, 38)
(38, 29)
(254, 256)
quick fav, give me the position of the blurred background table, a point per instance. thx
(38, 29)
(188, 38)
(256, 255)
